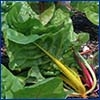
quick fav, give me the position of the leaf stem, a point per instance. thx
(92, 73)
(88, 79)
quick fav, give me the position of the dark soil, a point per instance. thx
(82, 24)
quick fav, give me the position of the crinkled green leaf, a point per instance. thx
(21, 38)
(13, 13)
(10, 83)
(49, 88)
(30, 25)
(26, 12)
(27, 26)
(22, 21)
(46, 16)
(59, 17)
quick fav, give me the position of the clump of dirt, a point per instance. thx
(82, 24)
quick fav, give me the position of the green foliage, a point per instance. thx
(92, 14)
(12, 87)
(56, 37)
(20, 38)
(20, 20)
(47, 15)
(10, 83)
(49, 88)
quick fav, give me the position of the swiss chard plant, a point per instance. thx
(46, 45)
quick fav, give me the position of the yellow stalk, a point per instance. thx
(73, 86)
(79, 86)
(68, 82)
(74, 73)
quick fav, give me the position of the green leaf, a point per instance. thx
(72, 37)
(49, 88)
(26, 27)
(83, 38)
(21, 38)
(59, 17)
(46, 16)
(24, 19)
(13, 13)
(35, 73)
(10, 83)
(93, 15)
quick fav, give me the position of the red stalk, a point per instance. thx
(85, 52)
(87, 76)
